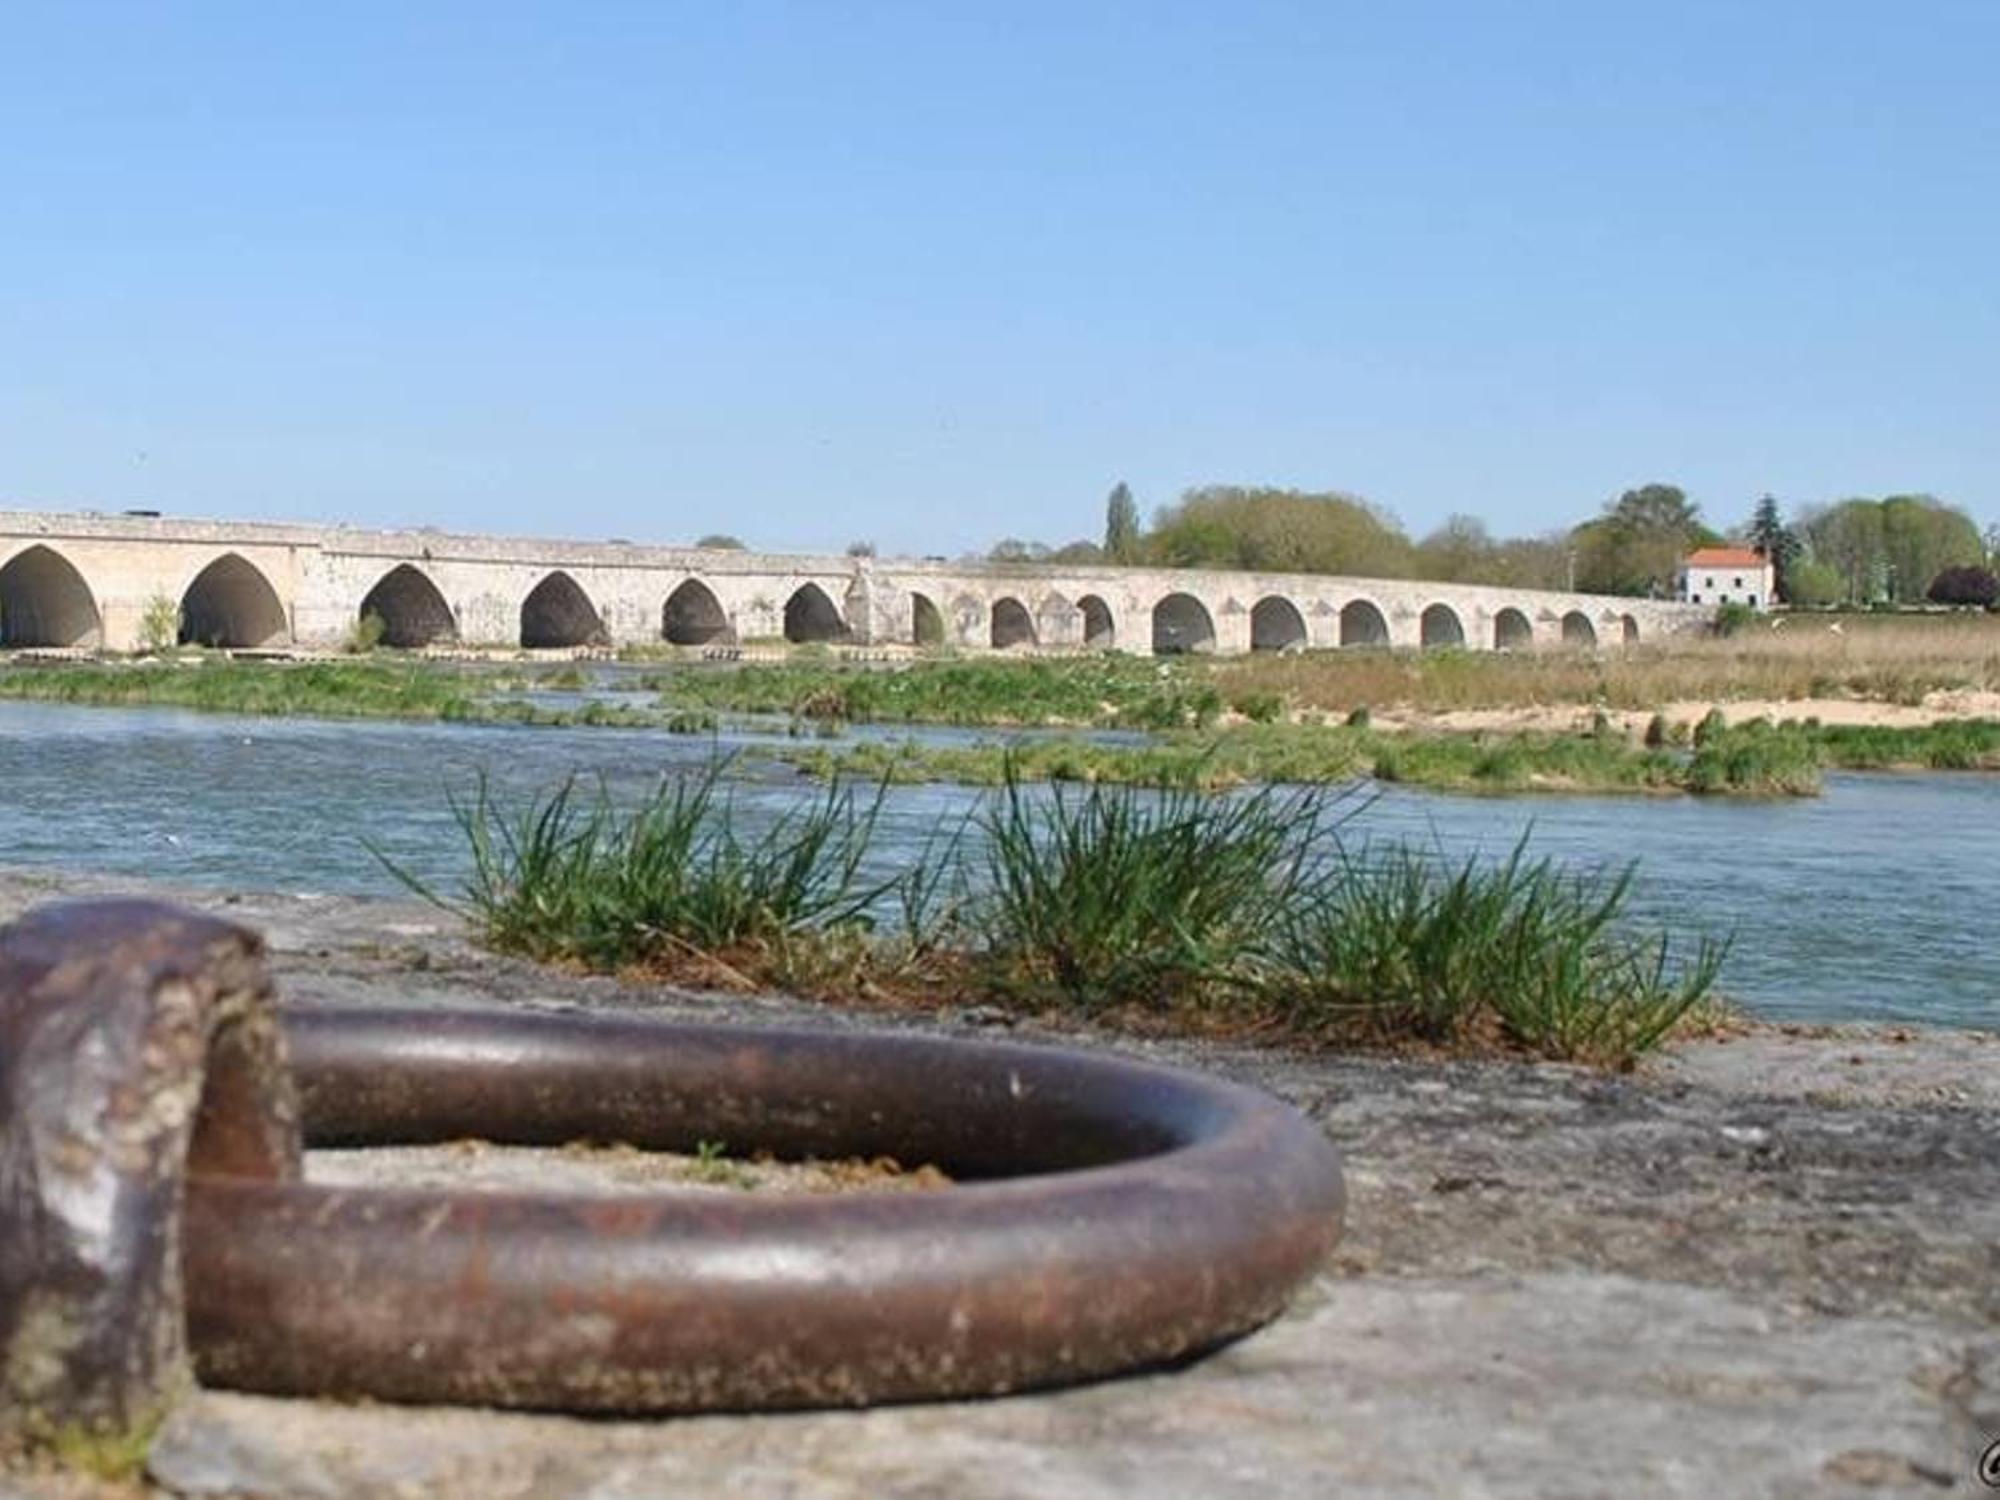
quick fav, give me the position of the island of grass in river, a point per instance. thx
(1181, 705)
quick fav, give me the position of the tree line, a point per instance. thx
(1899, 550)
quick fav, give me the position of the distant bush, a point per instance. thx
(1968, 585)
(1733, 617)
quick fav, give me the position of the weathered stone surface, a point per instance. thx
(123, 1024)
(1504, 1386)
(88, 580)
(1755, 1268)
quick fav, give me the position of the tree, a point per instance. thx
(1815, 585)
(1121, 525)
(1279, 531)
(1769, 534)
(1078, 553)
(1965, 584)
(860, 549)
(1891, 549)
(720, 542)
(1460, 551)
(1637, 545)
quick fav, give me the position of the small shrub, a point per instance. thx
(1712, 724)
(1261, 708)
(366, 634)
(1359, 717)
(159, 625)
(1732, 618)
(1656, 732)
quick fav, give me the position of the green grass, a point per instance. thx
(1108, 898)
(1096, 691)
(372, 689)
(1241, 911)
(573, 876)
(1404, 945)
(1318, 754)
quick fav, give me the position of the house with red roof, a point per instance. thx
(1727, 575)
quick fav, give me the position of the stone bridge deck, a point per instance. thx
(95, 581)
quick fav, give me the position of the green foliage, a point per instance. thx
(578, 878)
(1757, 759)
(1400, 944)
(1637, 545)
(1107, 897)
(1812, 584)
(1769, 534)
(721, 542)
(366, 634)
(159, 625)
(1242, 908)
(1891, 549)
(1104, 691)
(1285, 531)
(1121, 525)
(357, 689)
(1732, 617)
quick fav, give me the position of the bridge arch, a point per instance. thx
(1362, 623)
(1276, 625)
(811, 616)
(412, 611)
(231, 603)
(1577, 629)
(1512, 631)
(1441, 626)
(1182, 625)
(926, 622)
(693, 616)
(1012, 624)
(45, 602)
(1100, 631)
(557, 613)
(1628, 629)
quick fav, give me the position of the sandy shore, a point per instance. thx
(1937, 708)
(1767, 1265)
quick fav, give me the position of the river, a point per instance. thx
(1868, 903)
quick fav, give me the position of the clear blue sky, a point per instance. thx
(935, 273)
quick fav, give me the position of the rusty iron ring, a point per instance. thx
(1108, 1215)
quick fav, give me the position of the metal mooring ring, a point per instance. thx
(1106, 1215)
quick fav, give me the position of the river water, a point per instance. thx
(1869, 903)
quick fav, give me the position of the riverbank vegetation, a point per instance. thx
(405, 689)
(1253, 913)
(1201, 724)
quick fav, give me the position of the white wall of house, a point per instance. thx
(1751, 585)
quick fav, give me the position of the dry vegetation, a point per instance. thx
(1888, 658)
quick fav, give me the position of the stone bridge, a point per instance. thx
(89, 581)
